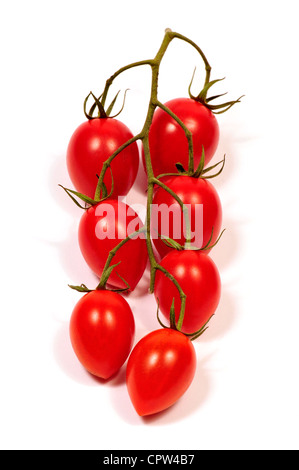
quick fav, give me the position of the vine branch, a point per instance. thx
(152, 181)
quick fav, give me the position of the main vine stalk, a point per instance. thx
(143, 136)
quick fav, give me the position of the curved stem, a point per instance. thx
(198, 49)
(107, 163)
(121, 70)
(112, 253)
(150, 195)
(188, 135)
(183, 296)
(183, 208)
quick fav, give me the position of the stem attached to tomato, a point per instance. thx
(106, 165)
(108, 269)
(184, 209)
(187, 133)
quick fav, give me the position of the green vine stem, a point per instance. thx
(107, 268)
(183, 208)
(152, 180)
(107, 163)
(188, 135)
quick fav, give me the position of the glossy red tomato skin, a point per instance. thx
(102, 330)
(191, 191)
(119, 220)
(199, 278)
(160, 369)
(168, 142)
(92, 143)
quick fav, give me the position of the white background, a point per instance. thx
(245, 393)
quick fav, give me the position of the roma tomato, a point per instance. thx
(204, 207)
(92, 143)
(102, 331)
(102, 227)
(167, 140)
(199, 278)
(160, 369)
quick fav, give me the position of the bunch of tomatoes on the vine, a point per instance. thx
(183, 224)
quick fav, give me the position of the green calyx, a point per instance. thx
(103, 282)
(206, 101)
(100, 196)
(87, 200)
(174, 325)
(188, 246)
(99, 106)
(200, 172)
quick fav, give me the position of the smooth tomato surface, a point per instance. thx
(167, 140)
(102, 331)
(205, 212)
(160, 369)
(91, 145)
(102, 227)
(199, 278)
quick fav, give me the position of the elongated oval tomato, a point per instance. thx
(204, 207)
(167, 139)
(199, 278)
(102, 329)
(160, 369)
(102, 227)
(92, 143)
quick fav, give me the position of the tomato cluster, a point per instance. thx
(103, 160)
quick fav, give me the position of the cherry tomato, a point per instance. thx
(160, 369)
(205, 213)
(199, 279)
(102, 331)
(92, 143)
(102, 227)
(167, 139)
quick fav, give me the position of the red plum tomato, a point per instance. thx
(199, 279)
(160, 369)
(92, 143)
(102, 227)
(102, 330)
(168, 142)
